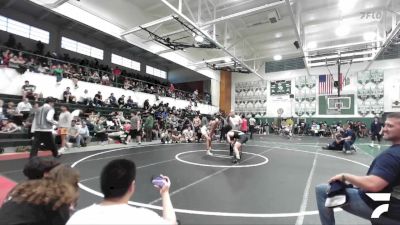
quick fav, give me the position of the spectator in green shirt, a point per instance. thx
(148, 127)
(58, 72)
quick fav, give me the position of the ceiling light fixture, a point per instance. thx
(277, 57)
(199, 38)
(227, 59)
(347, 5)
(312, 45)
(342, 30)
(369, 36)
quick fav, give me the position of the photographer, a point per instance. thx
(117, 182)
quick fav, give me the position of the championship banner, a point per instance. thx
(281, 87)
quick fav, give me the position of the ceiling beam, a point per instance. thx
(289, 7)
(44, 15)
(189, 10)
(146, 25)
(56, 4)
(205, 34)
(385, 45)
(8, 4)
(245, 12)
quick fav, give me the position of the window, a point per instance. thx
(24, 30)
(81, 48)
(156, 72)
(122, 61)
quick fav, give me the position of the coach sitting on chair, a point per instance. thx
(382, 177)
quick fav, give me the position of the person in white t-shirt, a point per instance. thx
(117, 183)
(234, 121)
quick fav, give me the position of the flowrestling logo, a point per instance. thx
(379, 197)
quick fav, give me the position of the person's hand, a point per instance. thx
(167, 185)
(337, 177)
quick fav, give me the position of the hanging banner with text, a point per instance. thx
(281, 87)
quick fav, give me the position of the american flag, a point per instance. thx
(325, 84)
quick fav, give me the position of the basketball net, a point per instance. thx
(338, 109)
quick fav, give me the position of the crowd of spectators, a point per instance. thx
(63, 66)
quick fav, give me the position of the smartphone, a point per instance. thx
(158, 181)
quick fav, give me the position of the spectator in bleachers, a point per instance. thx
(195, 95)
(74, 135)
(42, 201)
(98, 99)
(188, 134)
(13, 62)
(105, 80)
(127, 84)
(64, 123)
(121, 101)
(176, 136)
(85, 134)
(95, 78)
(8, 127)
(13, 114)
(85, 98)
(67, 96)
(32, 65)
(165, 136)
(117, 183)
(130, 104)
(2, 111)
(6, 56)
(146, 104)
(58, 73)
(100, 131)
(28, 91)
(24, 108)
(112, 100)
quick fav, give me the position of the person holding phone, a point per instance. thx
(117, 183)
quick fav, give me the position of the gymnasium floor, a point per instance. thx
(274, 183)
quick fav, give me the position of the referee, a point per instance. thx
(43, 126)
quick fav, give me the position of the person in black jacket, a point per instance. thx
(376, 131)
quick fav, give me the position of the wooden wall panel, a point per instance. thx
(225, 91)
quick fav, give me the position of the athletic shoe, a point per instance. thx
(371, 145)
(141, 143)
(61, 151)
(238, 157)
(69, 145)
(209, 153)
(379, 147)
(325, 148)
(234, 160)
